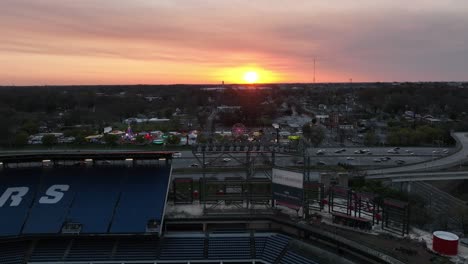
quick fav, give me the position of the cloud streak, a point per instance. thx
(188, 41)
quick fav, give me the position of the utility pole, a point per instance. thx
(314, 69)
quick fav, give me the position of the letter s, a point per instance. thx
(15, 193)
(54, 194)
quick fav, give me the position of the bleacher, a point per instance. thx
(13, 253)
(47, 249)
(99, 200)
(112, 215)
(182, 248)
(273, 248)
(98, 248)
(171, 248)
(137, 248)
(231, 247)
(294, 258)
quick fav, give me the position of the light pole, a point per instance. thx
(277, 127)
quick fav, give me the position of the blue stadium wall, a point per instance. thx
(101, 200)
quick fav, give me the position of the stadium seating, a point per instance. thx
(260, 245)
(174, 248)
(49, 250)
(143, 197)
(49, 218)
(12, 225)
(100, 200)
(13, 253)
(294, 258)
(182, 248)
(232, 247)
(274, 246)
(111, 208)
(90, 248)
(136, 248)
(95, 200)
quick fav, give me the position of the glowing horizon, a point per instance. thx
(51, 42)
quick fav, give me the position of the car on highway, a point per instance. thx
(321, 163)
(340, 150)
(377, 160)
(400, 162)
(349, 158)
(226, 159)
(194, 165)
(176, 155)
(300, 162)
(198, 154)
(392, 151)
(320, 152)
(158, 141)
(445, 151)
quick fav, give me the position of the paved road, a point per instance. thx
(420, 158)
(458, 157)
(330, 157)
(422, 176)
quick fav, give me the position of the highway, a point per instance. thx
(375, 157)
(415, 159)
(456, 158)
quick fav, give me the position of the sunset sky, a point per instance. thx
(207, 41)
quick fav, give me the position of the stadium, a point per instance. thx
(124, 207)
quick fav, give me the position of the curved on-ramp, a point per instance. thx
(445, 162)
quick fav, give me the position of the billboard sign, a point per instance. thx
(288, 188)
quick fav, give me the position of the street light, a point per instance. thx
(277, 127)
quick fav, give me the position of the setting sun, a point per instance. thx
(251, 77)
(247, 74)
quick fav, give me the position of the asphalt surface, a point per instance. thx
(457, 157)
(406, 160)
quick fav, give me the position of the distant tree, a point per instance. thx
(370, 138)
(30, 127)
(140, 139)
(201, 139)
(313, 134)
(79, 140)
(21, 139)
(110, 139)
(49, 140)
(173, 140)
